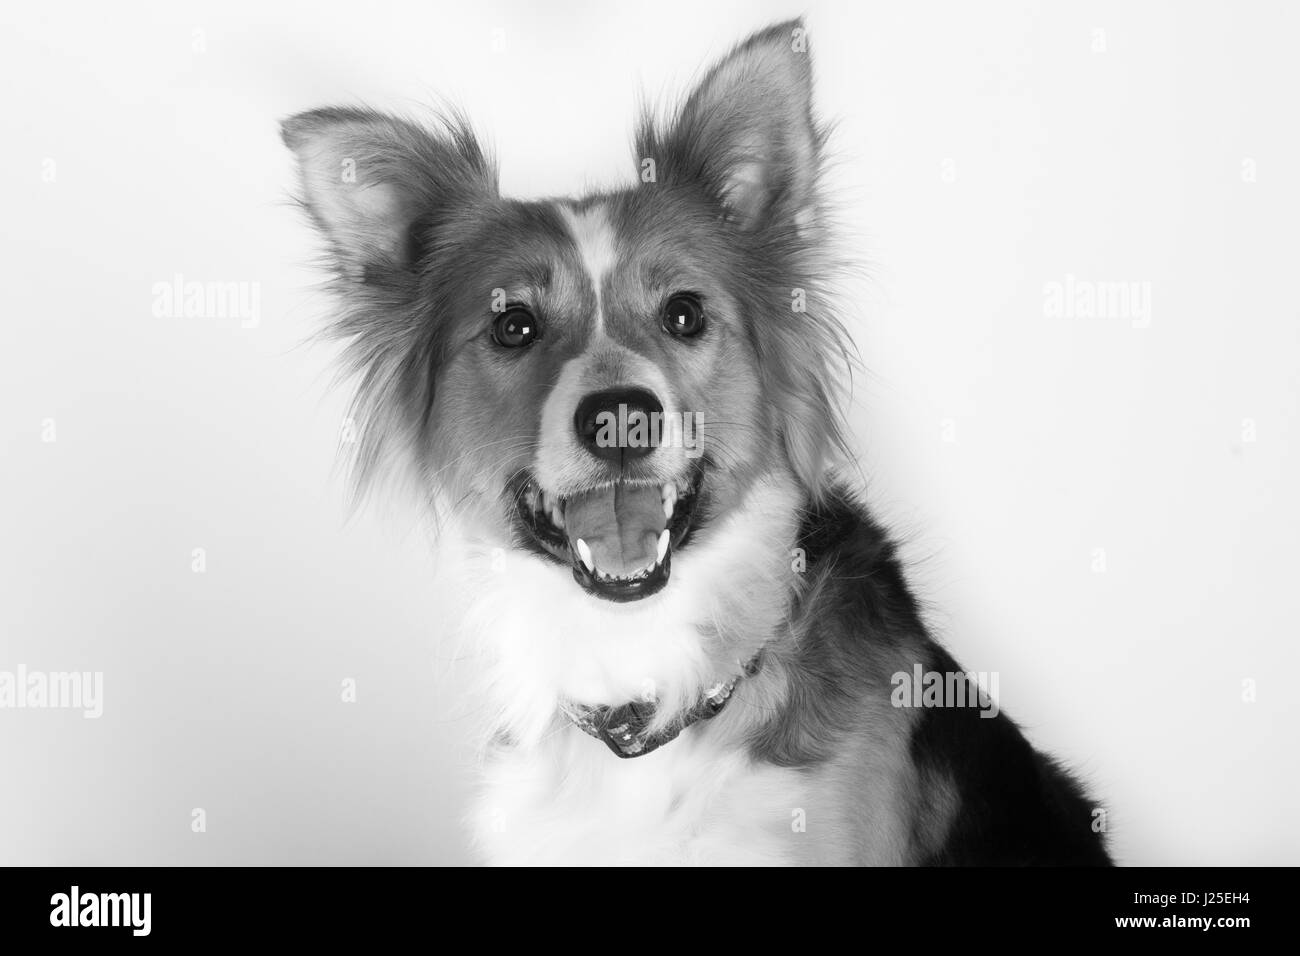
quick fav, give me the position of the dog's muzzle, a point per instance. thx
(618, 539)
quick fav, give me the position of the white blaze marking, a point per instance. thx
(594, 237)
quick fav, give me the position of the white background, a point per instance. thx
(984, 151)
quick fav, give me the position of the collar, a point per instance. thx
(623, 729)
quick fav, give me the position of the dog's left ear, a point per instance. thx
(747, 133)
(746, 139)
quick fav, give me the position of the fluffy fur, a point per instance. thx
(762, 548)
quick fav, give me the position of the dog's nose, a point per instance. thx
(618, 424)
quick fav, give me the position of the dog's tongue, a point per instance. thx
(621, 525)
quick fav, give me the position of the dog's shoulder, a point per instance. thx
(955, 778)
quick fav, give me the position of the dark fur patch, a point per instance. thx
(857, 623)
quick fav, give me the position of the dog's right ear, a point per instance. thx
(375, 185)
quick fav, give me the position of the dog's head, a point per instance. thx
(597, 380)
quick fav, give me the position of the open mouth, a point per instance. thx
(618, 538)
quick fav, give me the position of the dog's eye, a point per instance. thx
(515, 327)
(684, 315)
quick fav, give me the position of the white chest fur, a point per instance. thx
(556, 795)
(573, 802)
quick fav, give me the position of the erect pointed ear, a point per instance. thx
(374, 183)
(747, 133)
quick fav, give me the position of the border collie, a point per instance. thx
(695, 643)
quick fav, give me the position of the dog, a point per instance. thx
(694, 644)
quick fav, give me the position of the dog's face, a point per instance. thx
(598, 381)
(614, 377)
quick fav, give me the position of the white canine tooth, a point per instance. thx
(669, 494)
(557, 515)
(584, 552)
(663, 547)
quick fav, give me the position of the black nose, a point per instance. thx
(620, 424)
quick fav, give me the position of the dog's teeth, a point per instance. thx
(584, 552)
(557, 515)
(663, 547)
(669, 495)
